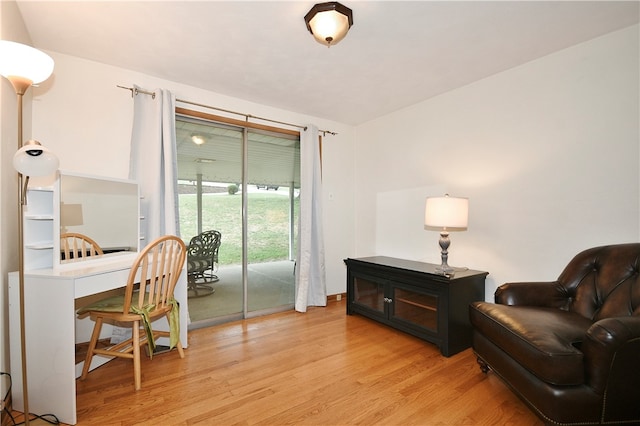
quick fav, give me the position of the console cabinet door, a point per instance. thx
(369, 294)
(415, 307)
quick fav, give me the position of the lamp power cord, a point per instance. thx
(49, 418)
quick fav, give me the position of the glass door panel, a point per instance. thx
(369, 294)
(417, 308)
(209, 193)
(273, 176)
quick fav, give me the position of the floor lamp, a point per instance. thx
(25, 66)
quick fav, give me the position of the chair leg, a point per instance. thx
(137, 375)
(92, 345)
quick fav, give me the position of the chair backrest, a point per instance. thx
(205, 246)
(603, 282)
(74, 245)
(157, 269)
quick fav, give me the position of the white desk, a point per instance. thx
(52, 330)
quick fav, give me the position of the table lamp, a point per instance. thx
(446, 214)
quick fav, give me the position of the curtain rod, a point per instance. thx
(136, 91)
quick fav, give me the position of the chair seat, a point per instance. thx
(545, 341)
(198, 265)
(112, 307)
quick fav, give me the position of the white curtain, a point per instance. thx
(311, 288)
(153, 162)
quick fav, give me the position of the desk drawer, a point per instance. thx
(101, 282)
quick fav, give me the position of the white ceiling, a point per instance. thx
(396, 54)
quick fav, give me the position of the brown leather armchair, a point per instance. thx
(570, 348)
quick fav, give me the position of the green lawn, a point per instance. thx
(268, 223)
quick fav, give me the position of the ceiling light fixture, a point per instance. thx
(329, 22)
(198, 139)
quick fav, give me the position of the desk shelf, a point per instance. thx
(38, 225)
(41, 245)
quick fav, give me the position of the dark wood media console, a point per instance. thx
(411, 296)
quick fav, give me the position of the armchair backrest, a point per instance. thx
(204, 246)
(603, 282)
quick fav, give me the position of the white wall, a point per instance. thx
(86, 120)
(548, 154)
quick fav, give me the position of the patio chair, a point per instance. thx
(202, 263)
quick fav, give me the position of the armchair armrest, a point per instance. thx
(610, 353)
(545, 294)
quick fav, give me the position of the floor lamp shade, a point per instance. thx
(23, 65)
(33, 159)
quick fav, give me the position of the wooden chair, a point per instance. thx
(74, 246)
(156, 270)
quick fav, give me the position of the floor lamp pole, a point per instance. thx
(21, 86)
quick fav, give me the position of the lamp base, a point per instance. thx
(450, 271)
(444, 268)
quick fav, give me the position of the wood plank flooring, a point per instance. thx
(318, 368)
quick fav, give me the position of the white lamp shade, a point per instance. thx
(33, 159)
(330, 25)
(22, 61)
(329, 22)
(446, 212)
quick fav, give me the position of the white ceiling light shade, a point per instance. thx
(23, 65)
(197, 139)
(33, 159)
(329, 22)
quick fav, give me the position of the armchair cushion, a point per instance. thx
(545, 341)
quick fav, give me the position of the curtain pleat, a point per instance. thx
(311, 288)
(153, 162)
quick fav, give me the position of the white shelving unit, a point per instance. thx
(39, 229)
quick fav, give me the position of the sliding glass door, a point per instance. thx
(242, 183)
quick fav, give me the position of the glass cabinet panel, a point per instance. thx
(417, 308)
(368, 293)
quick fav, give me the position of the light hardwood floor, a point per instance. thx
(318, 368)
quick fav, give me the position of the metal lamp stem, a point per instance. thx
(22, 196)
